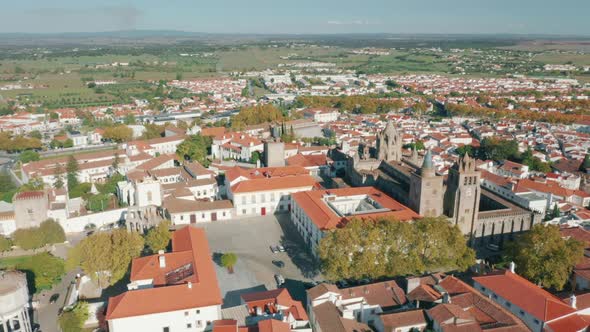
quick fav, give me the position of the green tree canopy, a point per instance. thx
(195, 148)
(229, 260)
(73, 320)
(256, 115)
(118, 133)
(28, 156)
(58, 177)
(98, 202)
(388, 247)
(497, 149)
(543, 256)
(585, 164)
(153, 131)
(72, 169)
(105, 257)
(5, 244)
(48, 232)
(158, 237)
(52, 232)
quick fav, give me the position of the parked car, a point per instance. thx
(342, 284)
(280, 279)
(365, 281)
(54, 298)
(279, 264)
(281, 248)
(274, 249)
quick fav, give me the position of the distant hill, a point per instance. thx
(135, 37)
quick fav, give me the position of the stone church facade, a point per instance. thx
(480, 214)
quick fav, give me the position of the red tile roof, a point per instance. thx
(569, 323)
(325, 218)
(275, 297)
(526, 295)
(273, 325)
(190, 246)
(29, 195)
(274, 183)
(312, 160)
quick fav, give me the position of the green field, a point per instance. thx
(60, 79)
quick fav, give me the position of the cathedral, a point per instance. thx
(480, 214)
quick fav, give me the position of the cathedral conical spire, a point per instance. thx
(427, 169)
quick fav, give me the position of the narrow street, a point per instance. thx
(47, 313)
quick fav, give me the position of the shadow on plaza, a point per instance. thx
(297, 249)
(233, 298)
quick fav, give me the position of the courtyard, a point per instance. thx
(250, 239)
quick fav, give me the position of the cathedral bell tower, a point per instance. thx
(461, 202)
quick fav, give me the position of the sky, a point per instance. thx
(563, 17)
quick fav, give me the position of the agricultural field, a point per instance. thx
(59, 78)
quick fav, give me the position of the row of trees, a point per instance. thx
(356, 104)
(48, 232)
(118, 133)
(256, 115)
(493, 148)
(387, 247)
(520, 114)
(18, 143)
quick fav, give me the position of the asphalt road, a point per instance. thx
(47, 313)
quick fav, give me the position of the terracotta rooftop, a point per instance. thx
(526, 295)
(178, 205)
(274, 183)
(325, 218)
(190, 258)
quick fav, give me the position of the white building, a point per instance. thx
(185, 211)
(175, 291)
(265, 190)
(322, 115)
(537, 308)
(236, 146)
(356, 307)
(317, 211)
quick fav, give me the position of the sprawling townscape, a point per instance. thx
(177, 182)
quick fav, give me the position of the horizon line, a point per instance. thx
(490, 34)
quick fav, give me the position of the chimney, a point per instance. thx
(574, 301)
(446, 298)
(511, 267)
(190, 285)
(162, 260)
